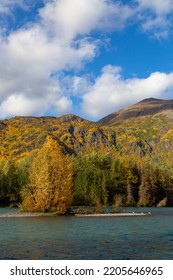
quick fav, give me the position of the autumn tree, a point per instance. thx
(49, 188)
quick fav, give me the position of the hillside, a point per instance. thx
(150, 137)
(146, 107)
(144, 129)
(20, 135)
(126, 162)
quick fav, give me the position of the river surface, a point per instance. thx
(71, 238)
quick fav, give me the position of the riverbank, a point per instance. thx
(114, 214)
(25, 215)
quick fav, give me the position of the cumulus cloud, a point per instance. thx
(112, 92)
(62, 39)
(33, 56)
(69, 18)
(18, 104)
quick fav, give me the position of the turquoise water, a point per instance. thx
(144, 237)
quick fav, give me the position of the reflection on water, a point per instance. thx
(146, 237)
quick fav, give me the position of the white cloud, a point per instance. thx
(63, 105)
(159, 27)
(60, 39)
(28, 60)
(69, 18)
(18, 104)
(156, 17)
(33, 56)
(111, 91)
(159, 7)
(75, 86)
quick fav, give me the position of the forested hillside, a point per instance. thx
(19, 136)
(48, 164)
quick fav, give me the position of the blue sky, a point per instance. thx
(86, 57)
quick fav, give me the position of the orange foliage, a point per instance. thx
(50, 181)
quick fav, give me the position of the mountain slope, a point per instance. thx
(21, 135)
(146, 132)
(128, 162)
(146, 107)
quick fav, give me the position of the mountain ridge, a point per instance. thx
(149, 106)
(127, 163)
(21, 135)
(122, 133)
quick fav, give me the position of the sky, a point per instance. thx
(85, 57)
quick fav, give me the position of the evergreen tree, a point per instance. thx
(9, 184)
(148, 189)
(91, 179)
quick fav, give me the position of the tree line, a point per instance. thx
(48, 180)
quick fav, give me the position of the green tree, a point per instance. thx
(91, 179)
(117, 182)
(9, 184)
(148, 189)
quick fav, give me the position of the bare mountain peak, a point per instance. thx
(149, 106)
(151, 100)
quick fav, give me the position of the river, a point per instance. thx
(85, 238)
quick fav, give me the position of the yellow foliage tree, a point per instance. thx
(50, 181)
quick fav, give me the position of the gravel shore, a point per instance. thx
(113, 214)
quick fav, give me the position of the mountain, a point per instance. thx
(21, 135)
(146, 107)
(144, 129)
(124, 159)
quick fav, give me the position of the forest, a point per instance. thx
(48, 164)
(50, 180)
